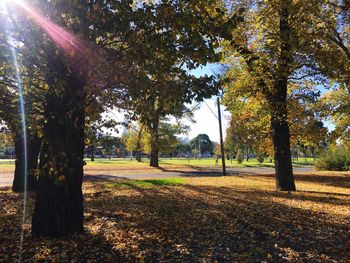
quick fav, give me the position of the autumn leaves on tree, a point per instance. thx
(275, 49)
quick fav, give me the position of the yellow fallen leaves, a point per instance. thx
(206, 219)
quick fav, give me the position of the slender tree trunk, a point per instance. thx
(154, 162)
(33, 148)
(92, 150)
(58, 209)
(247, 152)
(138, 145)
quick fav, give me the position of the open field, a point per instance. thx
(195, 219)
(180, 161)
(208, 162)
(116, 169)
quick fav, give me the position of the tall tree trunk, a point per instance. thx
(58, 207)
(33, 148)
(278, 104)
(154, 130)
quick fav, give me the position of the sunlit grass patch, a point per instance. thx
(7, 162)
(147, 183)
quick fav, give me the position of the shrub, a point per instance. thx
(260, 157)
(239, 156)
(335, 159)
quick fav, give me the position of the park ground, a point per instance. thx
(193, 217)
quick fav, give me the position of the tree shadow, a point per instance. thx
(196, 223)
(335, 180)
(83, 247)
(186, 223)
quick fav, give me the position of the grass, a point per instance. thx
(147, 183)
(195, 219)
(208, 162)
(7, 162)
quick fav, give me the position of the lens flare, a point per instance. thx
(23, 125)
(66, 40)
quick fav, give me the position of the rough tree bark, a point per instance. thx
(58, 207)
(278, 105)
(33, 148)
(282, 154)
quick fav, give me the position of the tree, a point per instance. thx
(182, 149)
(178, 36)
(166, 140)
(335, 106)
(32, 88)
(77, 77)
(333, 50)
(273, 46)
(58, 209)
(109, 143)
(249, 124)
(202, 144)
(333, 56)
(134, 139)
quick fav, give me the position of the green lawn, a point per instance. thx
(147, 183)
(195, 162)
(181, 161)
(7, 162)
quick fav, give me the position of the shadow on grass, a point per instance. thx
(88, 246)
(196, 223)
(189, 224)
(342, 180)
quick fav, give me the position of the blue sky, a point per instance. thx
(206, 121)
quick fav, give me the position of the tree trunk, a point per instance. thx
(154, 162)
(247, 153)
(58, 209)
(278, 104)
(33, 148)
(92, 151)
(138, 145)
(283, 160)
(138, 156)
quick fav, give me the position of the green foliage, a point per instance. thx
(109, 143)
(260, 157)
(203, 143)
(134, 138)
(182, 148)
(166, 141)
(337, 158)
(240, 156)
